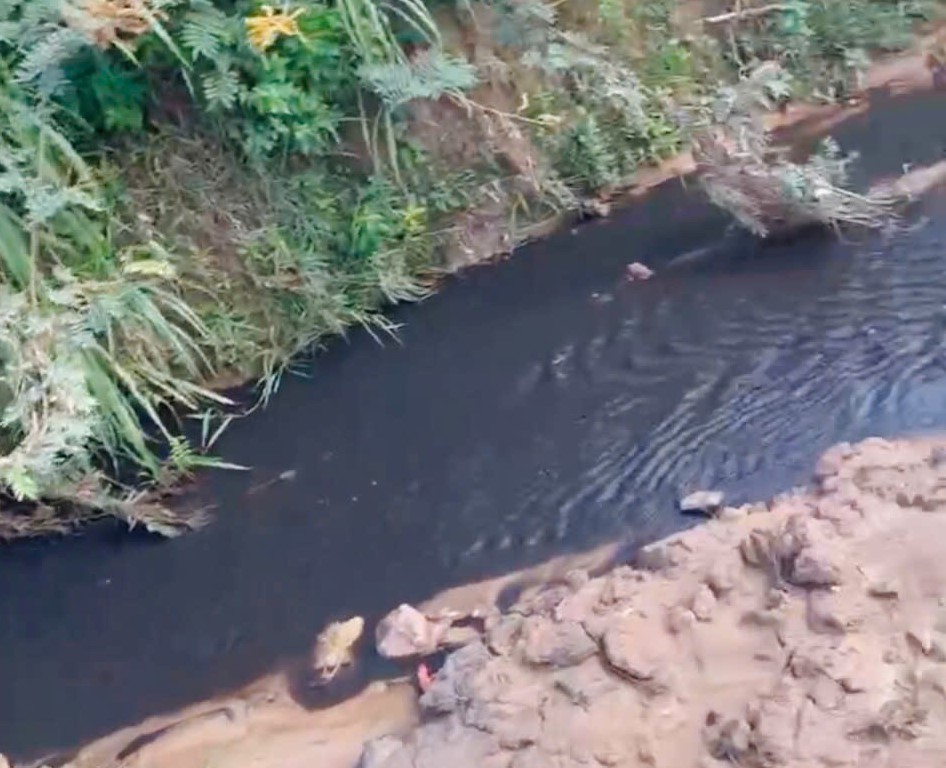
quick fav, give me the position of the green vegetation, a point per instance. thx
(194, 191)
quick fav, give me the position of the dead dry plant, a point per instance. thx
(761, 187)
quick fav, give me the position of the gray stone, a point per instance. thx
(816, 566)
(702, 502)
(503, 637)
(406, 632)
(557, 644)
(583, 685)
(447, 744)
(722, 577)
(624, 655)
(543, 603)
(453, 684)
(661, 555)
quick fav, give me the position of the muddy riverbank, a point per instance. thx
(806, 632)
(802, 632)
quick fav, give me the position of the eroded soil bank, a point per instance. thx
(809, 631)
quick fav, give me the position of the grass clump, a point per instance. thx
(825, 45)
(94, 334)
(179, 209)
(626, 81)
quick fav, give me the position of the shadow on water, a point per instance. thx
(530, 409)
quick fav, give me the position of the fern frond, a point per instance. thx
(204, 32)
(42, 64)
(427, 77)
(221, 88)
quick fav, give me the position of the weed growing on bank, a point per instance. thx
(179, 210)
(193, 192)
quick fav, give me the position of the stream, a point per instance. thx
(533, 408)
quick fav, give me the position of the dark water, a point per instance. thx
(533, 408)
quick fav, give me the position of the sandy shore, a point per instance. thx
(808, 631)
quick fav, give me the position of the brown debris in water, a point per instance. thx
(334, 647)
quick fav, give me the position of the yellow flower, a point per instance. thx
(269, 25)
(415, 219)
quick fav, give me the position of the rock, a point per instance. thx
(581, 604)
(378, 752)
(830, 613)
(504, 700)
(816, 566)
(623, 653)
(584, 685)
(723, 576)
(636, 271)
(453, 683)
(502, 638)
(556, 644)
(661, 555)
(443, 745)
(544, 602)
(621, 586)
(728, 740)
(704, 603)
(702, 502)
(406, 632)
(756, 549)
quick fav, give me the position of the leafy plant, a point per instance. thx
(826, 44)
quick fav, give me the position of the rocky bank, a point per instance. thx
(809, 631)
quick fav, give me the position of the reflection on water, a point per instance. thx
(529, 409)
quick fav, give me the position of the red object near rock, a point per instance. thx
(424, 678)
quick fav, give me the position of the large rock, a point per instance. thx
(556, 644)
(817, 565)
(453, 683)
(406, 632)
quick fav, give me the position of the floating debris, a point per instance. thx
(334, 647)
